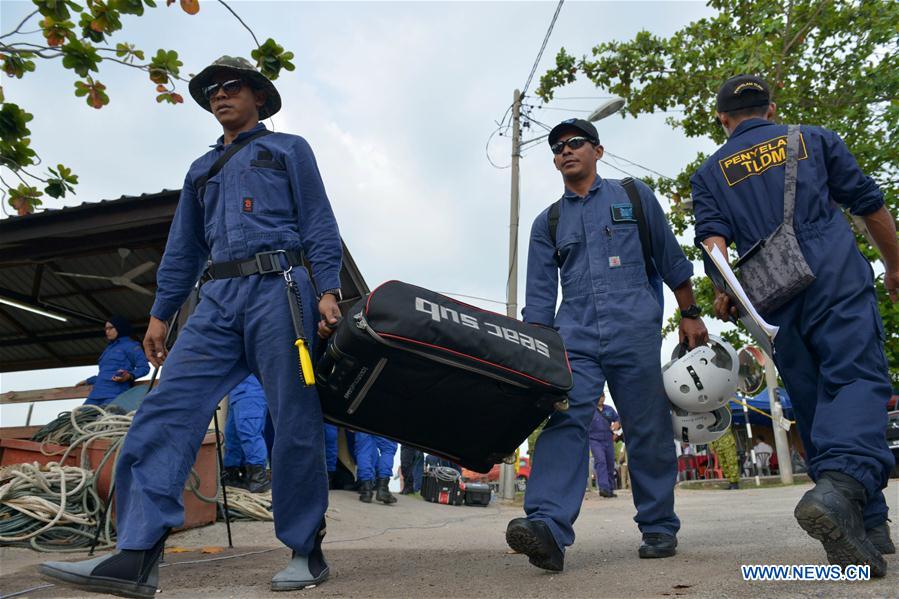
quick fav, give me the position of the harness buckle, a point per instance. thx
(274, 265)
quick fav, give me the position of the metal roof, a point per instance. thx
(106, 238)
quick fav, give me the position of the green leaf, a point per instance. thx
(17, 64)
(80, 57)
(271, 58)
(13, 122)
(24, 193)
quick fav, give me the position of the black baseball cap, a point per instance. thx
(585, 127)
(743, 91)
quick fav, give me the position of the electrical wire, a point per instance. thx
(483, 299)
(487, 148)
(638, 165)
(549, 31)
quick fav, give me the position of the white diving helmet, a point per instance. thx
(699, 428)
(704, 378)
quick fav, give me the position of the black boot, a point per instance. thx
(126, 573)
(832, 514)
(880, 538)
(258, 479)
(384, 494)
(657, 544)
(534, 539)
(233, 477)
(365, 491)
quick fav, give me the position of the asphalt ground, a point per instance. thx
(418, 549)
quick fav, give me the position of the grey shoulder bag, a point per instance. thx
(774, 270)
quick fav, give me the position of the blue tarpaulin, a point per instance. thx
(760, 401)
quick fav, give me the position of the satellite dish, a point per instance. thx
(751, 376)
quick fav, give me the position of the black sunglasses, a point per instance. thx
(230, 87)
(573, 142)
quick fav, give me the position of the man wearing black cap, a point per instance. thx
(251, 208)
(829, 348)
(610, 319)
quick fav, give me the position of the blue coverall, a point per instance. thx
(611, 321)
(244, 440)
(374, 456)
(122, 353)
(603, 447)
(829, 349)
(269, 196)
(331, 449)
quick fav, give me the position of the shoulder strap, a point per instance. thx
(790, 169)
(200, 184)
(555, 212)
(642, 227)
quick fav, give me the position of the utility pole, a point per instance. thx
(507, 471)
(781, 444)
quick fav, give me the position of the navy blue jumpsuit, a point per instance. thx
(269, 196)
(602, 446)
(244, 439)
(610, 320)
(829, 349)
(122, 353)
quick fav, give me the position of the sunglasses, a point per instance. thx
(230, 87)
(574, 143)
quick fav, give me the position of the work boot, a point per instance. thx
(126, 573)
(258, 479)
(832, 514)
(657, 544)
(880, 538)
(365, 491)
(534, 539)
(384, 495)
(607, 493)
(733, 486)
(233, 477)
(303, 571)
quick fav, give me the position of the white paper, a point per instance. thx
(737, 289)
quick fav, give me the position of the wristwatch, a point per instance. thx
(692, 312)
(335, 292)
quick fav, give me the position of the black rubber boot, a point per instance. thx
(657, 545)
(233, 477)
(258, 479)
(365, 491)
(304, 571)
(880, 538)
(126, 573)
(384, 495)
(832, 514)
(534, 539)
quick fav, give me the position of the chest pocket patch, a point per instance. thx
(623, 213)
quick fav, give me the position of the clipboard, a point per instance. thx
(724, 279)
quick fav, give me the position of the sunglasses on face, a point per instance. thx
(230, 87)
(574, 143)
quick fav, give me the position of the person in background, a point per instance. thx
(412, 463)
(374, 466)
(331, 452)
(725, 447)
(246, 455)
(121, 363)
(602, 447)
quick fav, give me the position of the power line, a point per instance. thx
(483, 299)
(549, 31)
(638, 165)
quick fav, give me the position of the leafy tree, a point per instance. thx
(83, 48)
(833, 63)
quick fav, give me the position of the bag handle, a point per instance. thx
(790, 170)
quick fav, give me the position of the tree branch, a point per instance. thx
(247, 27)
(16, 30)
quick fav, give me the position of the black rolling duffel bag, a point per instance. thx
(431, 372)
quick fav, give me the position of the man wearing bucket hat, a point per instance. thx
(251, 208)
(829, 347)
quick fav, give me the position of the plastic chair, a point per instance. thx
(714, 468)
(686, 467)
(762, 458)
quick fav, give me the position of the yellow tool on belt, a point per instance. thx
(296, 315)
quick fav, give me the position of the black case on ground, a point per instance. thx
(441, 490)
(452, 379)
(477, 494)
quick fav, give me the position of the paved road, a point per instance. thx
(417, 549)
